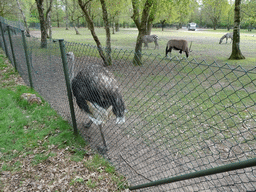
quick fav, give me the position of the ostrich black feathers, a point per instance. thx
(96, 86)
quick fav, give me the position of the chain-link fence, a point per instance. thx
(183, 116)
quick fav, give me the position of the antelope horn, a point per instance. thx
(190, 46)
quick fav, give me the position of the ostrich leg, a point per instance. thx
(103, 138)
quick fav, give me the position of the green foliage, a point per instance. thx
(97, 163)
(214, 10)
(248, 14)
(77, 180)
(91, 184)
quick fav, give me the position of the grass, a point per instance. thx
(210, 94)
(24, 125)
(205, 44)
(31, 129)
(183, 107)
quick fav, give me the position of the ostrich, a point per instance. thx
(97, 94)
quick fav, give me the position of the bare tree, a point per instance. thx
(236, 52)
(74, 17)
(108, 39)
(91, 28)
(66, 11)
(24, 18)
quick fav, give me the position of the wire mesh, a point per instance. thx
(182, 115)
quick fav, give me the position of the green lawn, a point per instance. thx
(205, 44)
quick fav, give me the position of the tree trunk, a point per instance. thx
(24, 19)
(163, 23)
(77, 32)
(66, 11)
(91, 28)
(149, 28)
(236, 52)
(138, 49)
(50, 25)
(141, 25)
(117, 26)
(113, 28)
(40, 8)
(107, 29)
(58, 20)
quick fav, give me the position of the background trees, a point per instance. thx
(214, 10)
(206, 13)
(127, 13)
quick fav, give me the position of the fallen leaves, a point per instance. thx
(57, 173)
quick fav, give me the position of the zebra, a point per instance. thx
(149, 39)
(227, 35)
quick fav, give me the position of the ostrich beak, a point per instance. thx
(120, 120)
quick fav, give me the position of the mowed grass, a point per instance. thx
(205, 43)
(192, 104)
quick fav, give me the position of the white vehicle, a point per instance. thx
(192, 26)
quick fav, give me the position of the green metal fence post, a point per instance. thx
(215, 170)
(5, 46)
(13, 54)
(27, 59)
(65, 68)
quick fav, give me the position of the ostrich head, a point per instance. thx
(71, 60)
(119, 109)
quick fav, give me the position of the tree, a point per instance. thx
(236, 52)
(214, 10)
(115, 9)
(183, 10)
(8, 9)
(24, 18)
(66, 11)
(248, 10)
(166, 13)
(90, 23)
(141, 24)
(75, 14)
(108, 39)
(43, 20)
